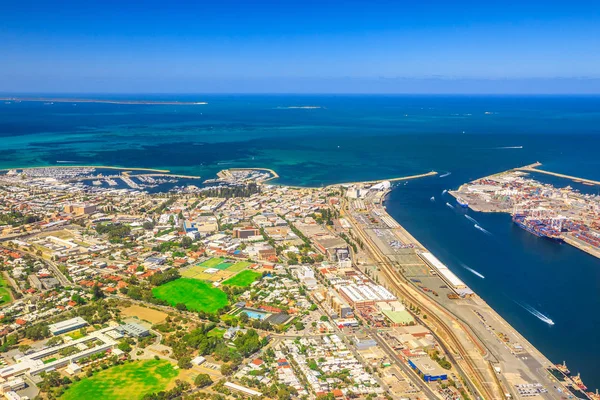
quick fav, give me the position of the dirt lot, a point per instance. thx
(143, 313)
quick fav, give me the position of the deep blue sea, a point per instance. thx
(351, 138)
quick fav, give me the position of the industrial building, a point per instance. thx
(362, 295)
(430, 370)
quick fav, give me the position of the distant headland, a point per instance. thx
(105, 101)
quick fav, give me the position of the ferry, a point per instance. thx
(462, 202)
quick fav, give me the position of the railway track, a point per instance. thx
(453, 342)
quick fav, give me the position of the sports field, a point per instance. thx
(195, 294)
(198, 272)
(239, 266)
(225, 270)
(244, 278)
(4, 291)
(127, 381)
(218, 263)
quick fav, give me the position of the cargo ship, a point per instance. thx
(462, 202)
(537, 227)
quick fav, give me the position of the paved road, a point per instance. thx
(405, 368)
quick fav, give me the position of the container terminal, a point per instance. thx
(561, 214)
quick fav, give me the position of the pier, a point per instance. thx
(397, 179)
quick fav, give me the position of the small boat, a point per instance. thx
(462, 202)
(432, 198)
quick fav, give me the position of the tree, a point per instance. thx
(244, 318)
(186, 242)
(148, 225)
(203, 380)
(299, 326)
(324, 318)
(226, 369)
(292, 258)
(124, 347)
(185, 362)
(97, 293)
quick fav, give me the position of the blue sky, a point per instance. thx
(300, 46)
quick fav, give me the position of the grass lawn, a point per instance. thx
(75, 334)
(195, 294)
(127, 381)
(5, 297)
(244, 278)
(216, 332)
(239, 266)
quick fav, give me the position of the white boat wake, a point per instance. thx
(299, 108)
(444, 192)
(450, 205)
(473, 220)
(509, 147)
(482, 230)
(536, 313)
(472, 271)
(446, 174)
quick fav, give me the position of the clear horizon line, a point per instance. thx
(44, 93)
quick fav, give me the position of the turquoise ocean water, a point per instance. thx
(351, 138)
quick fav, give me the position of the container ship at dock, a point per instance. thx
(537, 227)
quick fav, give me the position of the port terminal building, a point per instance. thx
(453, 281)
